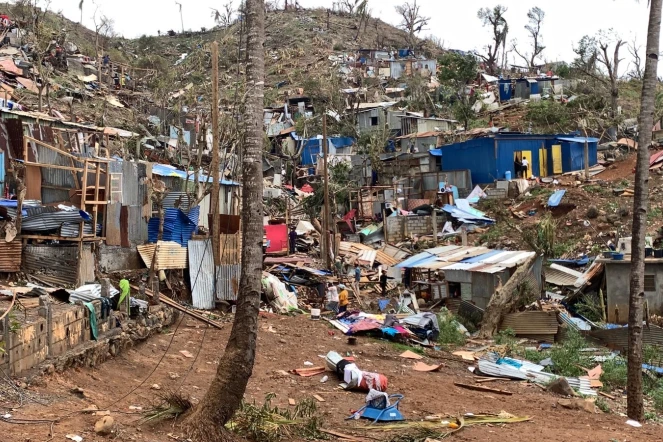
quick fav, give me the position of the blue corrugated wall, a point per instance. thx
(573, 156)
(476, 155)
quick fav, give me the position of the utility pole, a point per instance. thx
(325, 219)
(216, 224)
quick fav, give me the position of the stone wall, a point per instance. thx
(59, 336)
(402, 227)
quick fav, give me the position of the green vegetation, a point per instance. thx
(567, 357)
(602, 405)
(654, 213)
(449, 332)
(614, 373)
(549, 116)
(590, 307)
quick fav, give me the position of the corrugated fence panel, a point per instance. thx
(617, 338)
(227, 282)
(201, 272)
(113, 237)
(53, 264)
(10, 256)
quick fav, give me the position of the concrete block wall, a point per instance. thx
(402, 227)
(56, 331)
(25, 347)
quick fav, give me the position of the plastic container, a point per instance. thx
(658, 253)
(507, 175)
(618, 256)
(315, 314)
(607, 254)
(649, 252)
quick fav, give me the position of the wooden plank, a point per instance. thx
(319, 398)
(609, 396)
(484, 389)
(291, 401)
(171, 303)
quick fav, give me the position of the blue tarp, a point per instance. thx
(421, 258)
(556, 198)
(578, 139)
(435, 152)
(166, 170)
(571, 262)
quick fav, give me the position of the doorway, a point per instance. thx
(523, 160)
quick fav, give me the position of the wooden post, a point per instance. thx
(325, 219)
(435, 226)
(586, 158)
(216, 227)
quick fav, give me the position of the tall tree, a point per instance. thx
(455, 72)
(206, 424)
(500, 28)
(635, 406)
(533, 27)
(413, 22)
(595, 60)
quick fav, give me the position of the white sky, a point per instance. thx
(455, 22)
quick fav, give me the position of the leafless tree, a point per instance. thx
(104, 31)
(535, 16)
(637, 73)
(181, 16)
(500, 28)
(224, 16)
(635, 406)
(597, 60)
(80, 6)
(351, 7)
(412, 21)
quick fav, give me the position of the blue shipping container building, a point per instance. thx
(490, 158)
(313, 147)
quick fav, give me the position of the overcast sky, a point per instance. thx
(455, 22)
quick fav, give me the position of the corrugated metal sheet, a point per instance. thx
(178, 226)
(72, 230)
(170, 255)
(562, 276)
(204, 289)
(617, 338)
(49, 221)
(10, 256)
(531, 323)
(52, 264)
(227, 282)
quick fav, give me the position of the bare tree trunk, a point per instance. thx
(635, 406)
(206, 424)
(503, 300)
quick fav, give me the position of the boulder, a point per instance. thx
(561, 387)
(104, 425)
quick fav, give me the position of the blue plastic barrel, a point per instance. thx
(507, 175)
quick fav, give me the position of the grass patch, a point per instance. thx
(268, 423)
(404, 347)
(602, 404)
(614, 373)
(535, 356)
(505, 337)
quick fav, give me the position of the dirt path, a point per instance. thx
(296, 340)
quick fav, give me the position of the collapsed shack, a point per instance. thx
(473, 274)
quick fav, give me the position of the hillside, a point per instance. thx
(171, 74)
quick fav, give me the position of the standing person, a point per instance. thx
(525, 164)
(123, 81)
(339, 267)
(332, 298)
(293, 240)
(357, 278)
(383, 282)
(343, 300)
(116, 80)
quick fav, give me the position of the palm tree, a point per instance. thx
(635, 406)
(206, 424)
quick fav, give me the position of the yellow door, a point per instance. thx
(527, 155)
(543, 162)
(557, 158)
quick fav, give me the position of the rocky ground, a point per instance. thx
(176, 361)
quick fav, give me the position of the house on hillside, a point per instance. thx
(493, 157)
(371, 116)
(468, 273)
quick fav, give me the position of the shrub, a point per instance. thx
(449, 331)
(567, 357)
(614, 373)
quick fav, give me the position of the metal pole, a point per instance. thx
(325, 219)
(216, 225)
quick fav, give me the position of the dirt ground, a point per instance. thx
(296, 340)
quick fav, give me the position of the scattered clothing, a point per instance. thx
(94, 332)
